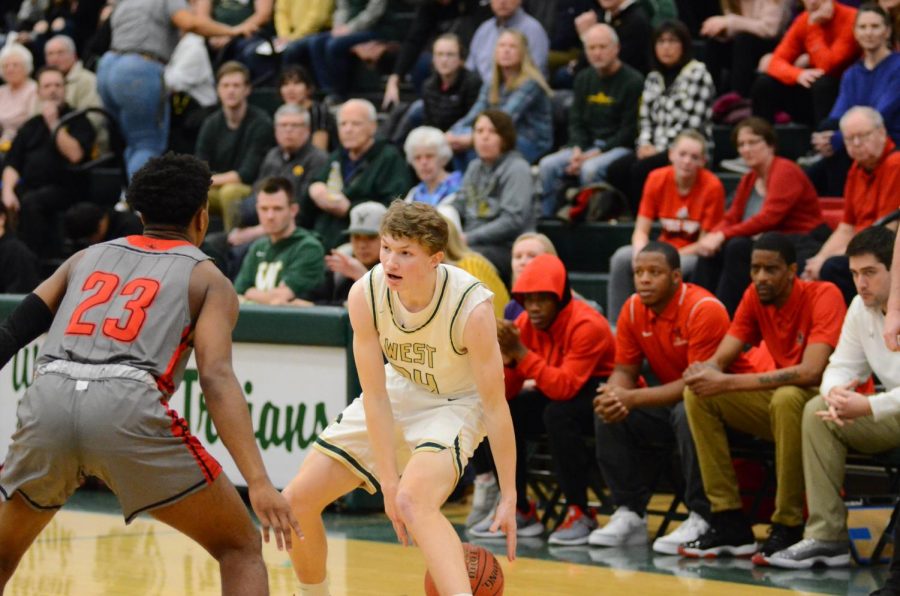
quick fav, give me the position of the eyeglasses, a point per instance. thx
(859, 138)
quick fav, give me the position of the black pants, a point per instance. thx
(41, 209)
(566, 423)
(829, 175)
(633, 453)
(628, 174)
(727, 273)
(733, 62)
(806, 106)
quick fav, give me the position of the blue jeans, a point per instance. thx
(329, 57)
(133, 91)
(553, 167)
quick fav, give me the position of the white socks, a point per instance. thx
(320, 589)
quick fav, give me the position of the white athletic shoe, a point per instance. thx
(625, 528)
(689, 530)
(484, 500)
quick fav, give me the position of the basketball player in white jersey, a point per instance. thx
(123, 317)
(422, 414)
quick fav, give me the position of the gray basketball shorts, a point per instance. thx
(76, 421)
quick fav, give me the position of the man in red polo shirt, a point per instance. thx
(800, 323)
(670, 323)
(872, 191)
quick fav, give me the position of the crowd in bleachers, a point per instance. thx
(715, 128)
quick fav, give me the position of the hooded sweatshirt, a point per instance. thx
(578, 345)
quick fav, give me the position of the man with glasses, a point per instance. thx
(870, 193)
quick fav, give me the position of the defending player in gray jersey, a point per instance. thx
(123, 317)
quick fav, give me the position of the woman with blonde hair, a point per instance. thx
(460, 255)
(517, 88)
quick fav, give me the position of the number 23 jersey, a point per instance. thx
(126, 302)
(425, 349)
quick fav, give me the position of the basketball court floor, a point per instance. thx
(87, 550)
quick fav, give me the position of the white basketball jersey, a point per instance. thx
(425, 349)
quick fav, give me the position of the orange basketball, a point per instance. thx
(485, 573)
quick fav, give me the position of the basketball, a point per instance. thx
(485, 573)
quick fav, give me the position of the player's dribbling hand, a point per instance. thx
(274, 514)
(505, 519)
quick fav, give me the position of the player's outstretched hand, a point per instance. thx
(274, 514)
(505, 519)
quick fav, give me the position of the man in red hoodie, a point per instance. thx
(555, 355)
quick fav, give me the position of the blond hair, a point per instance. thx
(542, 238)
(527, 70)
(416, 221)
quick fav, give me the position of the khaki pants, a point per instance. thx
(224, 200)
(772, 414)
(825, 447)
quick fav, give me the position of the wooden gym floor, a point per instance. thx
(87, 549)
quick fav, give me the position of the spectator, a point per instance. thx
(433, 19)
(826, 431)
(288, 262)
(602, 118)
(825, 33)
(799, 321)
(296, 87)
(449, 93)
(428, 153)
(517, 88)
(37, 180)
(293, 157)
(233, 141)
(677, 95)
(872, 81)
(508, 15)
(18, 94)
(568, 350)
(688, 201)
(362, 169)
(350, 261)
(460, 255)
(19, 272)
(670, 324)
(525, 248)
(774, 196)
(631, 23)
(739, 38)
(130, 76)
(558, 18)
(81, 84)
(256, 16)
(870, 194)
(328, 53)
(496, 197)
(87, 223)
(298, 19)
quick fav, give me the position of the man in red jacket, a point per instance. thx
(670, 324)
(807, 89)
(555, 355)
(800, 323)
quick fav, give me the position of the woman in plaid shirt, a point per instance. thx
(678, 95)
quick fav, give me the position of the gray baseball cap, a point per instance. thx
(366, 218)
